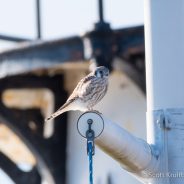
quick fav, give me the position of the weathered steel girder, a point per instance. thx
(16, 174)
(40, 54)
(49, 153)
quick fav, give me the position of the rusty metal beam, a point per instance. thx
(40, 54)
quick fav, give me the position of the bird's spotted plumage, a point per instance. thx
(89, 91)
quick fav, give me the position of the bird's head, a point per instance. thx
(101, 72)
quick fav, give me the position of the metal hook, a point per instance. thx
(90, 135)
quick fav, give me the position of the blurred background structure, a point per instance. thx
(41, 62)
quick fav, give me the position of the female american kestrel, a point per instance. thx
(89, 91)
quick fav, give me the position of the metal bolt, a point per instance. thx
(89, 121)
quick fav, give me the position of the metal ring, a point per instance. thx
(97, 124)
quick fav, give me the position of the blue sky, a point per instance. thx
(63, 18)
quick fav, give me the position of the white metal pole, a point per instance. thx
(164, 40)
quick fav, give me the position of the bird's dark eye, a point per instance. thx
(99, 73)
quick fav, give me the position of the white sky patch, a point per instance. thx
(61, 18)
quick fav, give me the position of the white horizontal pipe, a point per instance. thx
(133, 153)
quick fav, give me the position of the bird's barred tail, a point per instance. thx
(57, 113)
(61, 110)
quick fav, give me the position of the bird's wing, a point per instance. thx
(82, 88)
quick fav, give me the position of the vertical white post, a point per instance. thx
(164, 40)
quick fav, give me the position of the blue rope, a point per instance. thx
(90, 155)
